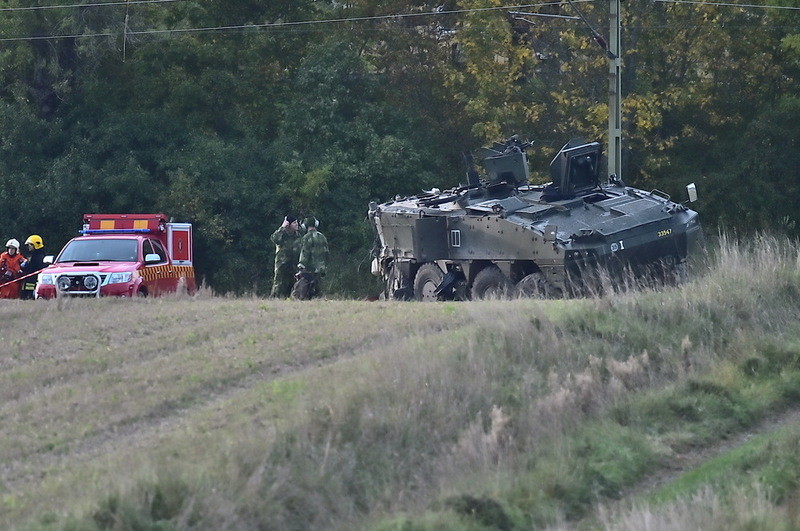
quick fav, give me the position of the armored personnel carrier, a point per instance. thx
(501, 236)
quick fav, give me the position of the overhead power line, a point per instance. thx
(294, 24)
(725, 4)
(96, 4)
(274, 25)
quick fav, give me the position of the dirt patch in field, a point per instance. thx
(686, 460)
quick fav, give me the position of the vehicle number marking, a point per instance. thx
(618, 246)
(665, 232)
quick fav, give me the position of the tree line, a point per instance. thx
(231, 114)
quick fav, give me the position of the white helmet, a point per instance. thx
(12, 243)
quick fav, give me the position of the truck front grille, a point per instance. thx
(86, 284)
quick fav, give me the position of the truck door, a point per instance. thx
(169, 278)
(160, 274)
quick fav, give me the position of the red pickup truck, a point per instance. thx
(121, 255)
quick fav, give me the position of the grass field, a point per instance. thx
(671, 409)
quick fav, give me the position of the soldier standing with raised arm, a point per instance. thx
(287, 249)
(313, 259)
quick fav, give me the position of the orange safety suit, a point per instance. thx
(10, 269)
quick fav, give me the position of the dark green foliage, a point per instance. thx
(782, 474)
(611, 458)
(117, 514)
(485, 511)
(789, 387)
(340, 145)
(232, 129)
(761, 159)
(162, 504)
(599, 460)
(704, 408)
(773, 358)
(781, 357)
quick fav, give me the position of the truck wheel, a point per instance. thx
(535, 285)
(490, 283)
(428, 278)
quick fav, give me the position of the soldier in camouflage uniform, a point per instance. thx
(313, 254)
(287, 249)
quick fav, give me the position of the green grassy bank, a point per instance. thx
(258, 414)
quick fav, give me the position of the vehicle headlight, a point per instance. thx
(90, 281)
(46, 278)
(64, 283)
(116, 278)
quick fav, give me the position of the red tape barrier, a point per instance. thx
(20, 278)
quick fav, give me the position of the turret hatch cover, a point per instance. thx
(508, 205)
(640, 207)
(631, 215)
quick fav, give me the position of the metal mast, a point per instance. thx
(614, 52)
(614, 93)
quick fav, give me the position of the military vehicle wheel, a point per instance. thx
(397, 287)
(535, 285)
(490, 282)
(428, 278)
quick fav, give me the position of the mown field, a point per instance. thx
(668, 409)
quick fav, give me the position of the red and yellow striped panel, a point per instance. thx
(184, 271)
(166, 271)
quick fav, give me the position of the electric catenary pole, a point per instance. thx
(614, 53)
(614, 92)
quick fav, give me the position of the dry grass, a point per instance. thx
(109, 377)
(705, 509)
(239, 411)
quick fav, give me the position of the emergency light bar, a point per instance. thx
(124, 223)
(115, 231)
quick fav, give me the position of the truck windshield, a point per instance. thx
(100, 250)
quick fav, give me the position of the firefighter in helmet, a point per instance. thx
(287, 248)
(35, 263)
(11, 262)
